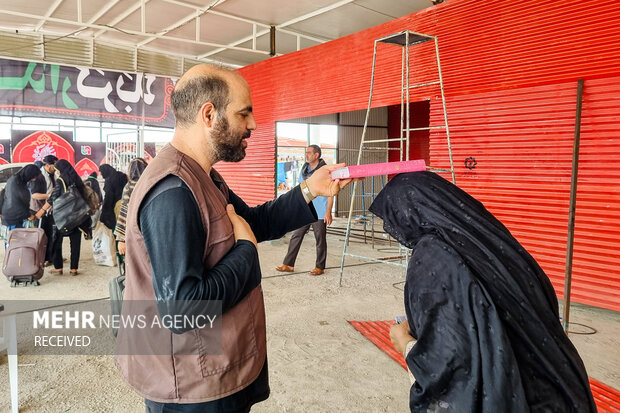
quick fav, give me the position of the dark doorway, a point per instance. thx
(419, 117)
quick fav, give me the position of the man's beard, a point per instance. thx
(228, 145)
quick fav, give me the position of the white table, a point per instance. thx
(8, 342)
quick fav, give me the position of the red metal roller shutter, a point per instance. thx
(519, 145)
(596, 265)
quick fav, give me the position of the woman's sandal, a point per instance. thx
(74, 272)
(56, 271)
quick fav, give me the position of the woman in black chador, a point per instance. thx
(113, 191)
(15, 200)
(483, 312)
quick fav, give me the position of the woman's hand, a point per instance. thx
(241, 228)
(320, 182)
(121, 248)
(399, 335)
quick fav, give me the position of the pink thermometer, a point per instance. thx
(373, 169)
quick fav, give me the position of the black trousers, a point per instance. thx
(320, 235)
(47, 224)
(75, 240)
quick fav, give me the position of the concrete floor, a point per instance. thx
(317, 361)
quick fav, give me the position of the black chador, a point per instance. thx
(484, 313)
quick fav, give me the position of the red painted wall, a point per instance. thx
(510, 70)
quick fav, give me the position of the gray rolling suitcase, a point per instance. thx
(25, 256)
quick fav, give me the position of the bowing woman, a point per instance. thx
(483, 312)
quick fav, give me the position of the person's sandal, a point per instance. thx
(317, 271)
(74, 272)
(56, 271)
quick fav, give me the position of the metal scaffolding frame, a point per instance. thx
(404, 39)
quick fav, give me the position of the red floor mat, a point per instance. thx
(378, 332)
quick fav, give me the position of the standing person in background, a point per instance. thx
(15, 201)
(67, 177)
(38, 190)
(323, 206)
(91, 180)
(136, 167)
(48, 172)
(115, 181)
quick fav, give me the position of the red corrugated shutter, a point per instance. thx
(519, 143)
(596, 265)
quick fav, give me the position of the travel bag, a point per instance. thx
(25, 256)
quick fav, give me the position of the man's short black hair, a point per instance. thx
(50, 160)
(187, 99)
(316, 148)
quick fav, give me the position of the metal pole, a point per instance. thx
(445, 112)
(571, 210)
(140, 146)
(402, 104)
(372, 217)
(407, 91)
(272, 40)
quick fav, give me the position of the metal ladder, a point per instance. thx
(405, 40)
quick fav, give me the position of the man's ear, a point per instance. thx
(207, 114)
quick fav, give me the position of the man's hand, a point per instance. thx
(399, 335)
(121, 247)
(39, 214)
(320, 182)
(241, 228)
(328, 218)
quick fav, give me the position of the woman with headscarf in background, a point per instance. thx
(91, 180)
(113, 191)
(483, 312)
(136, 167)
(38, 190)
(16, 197)
(68, 176)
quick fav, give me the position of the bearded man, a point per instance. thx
(191, 240)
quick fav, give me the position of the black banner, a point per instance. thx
(46, 90)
